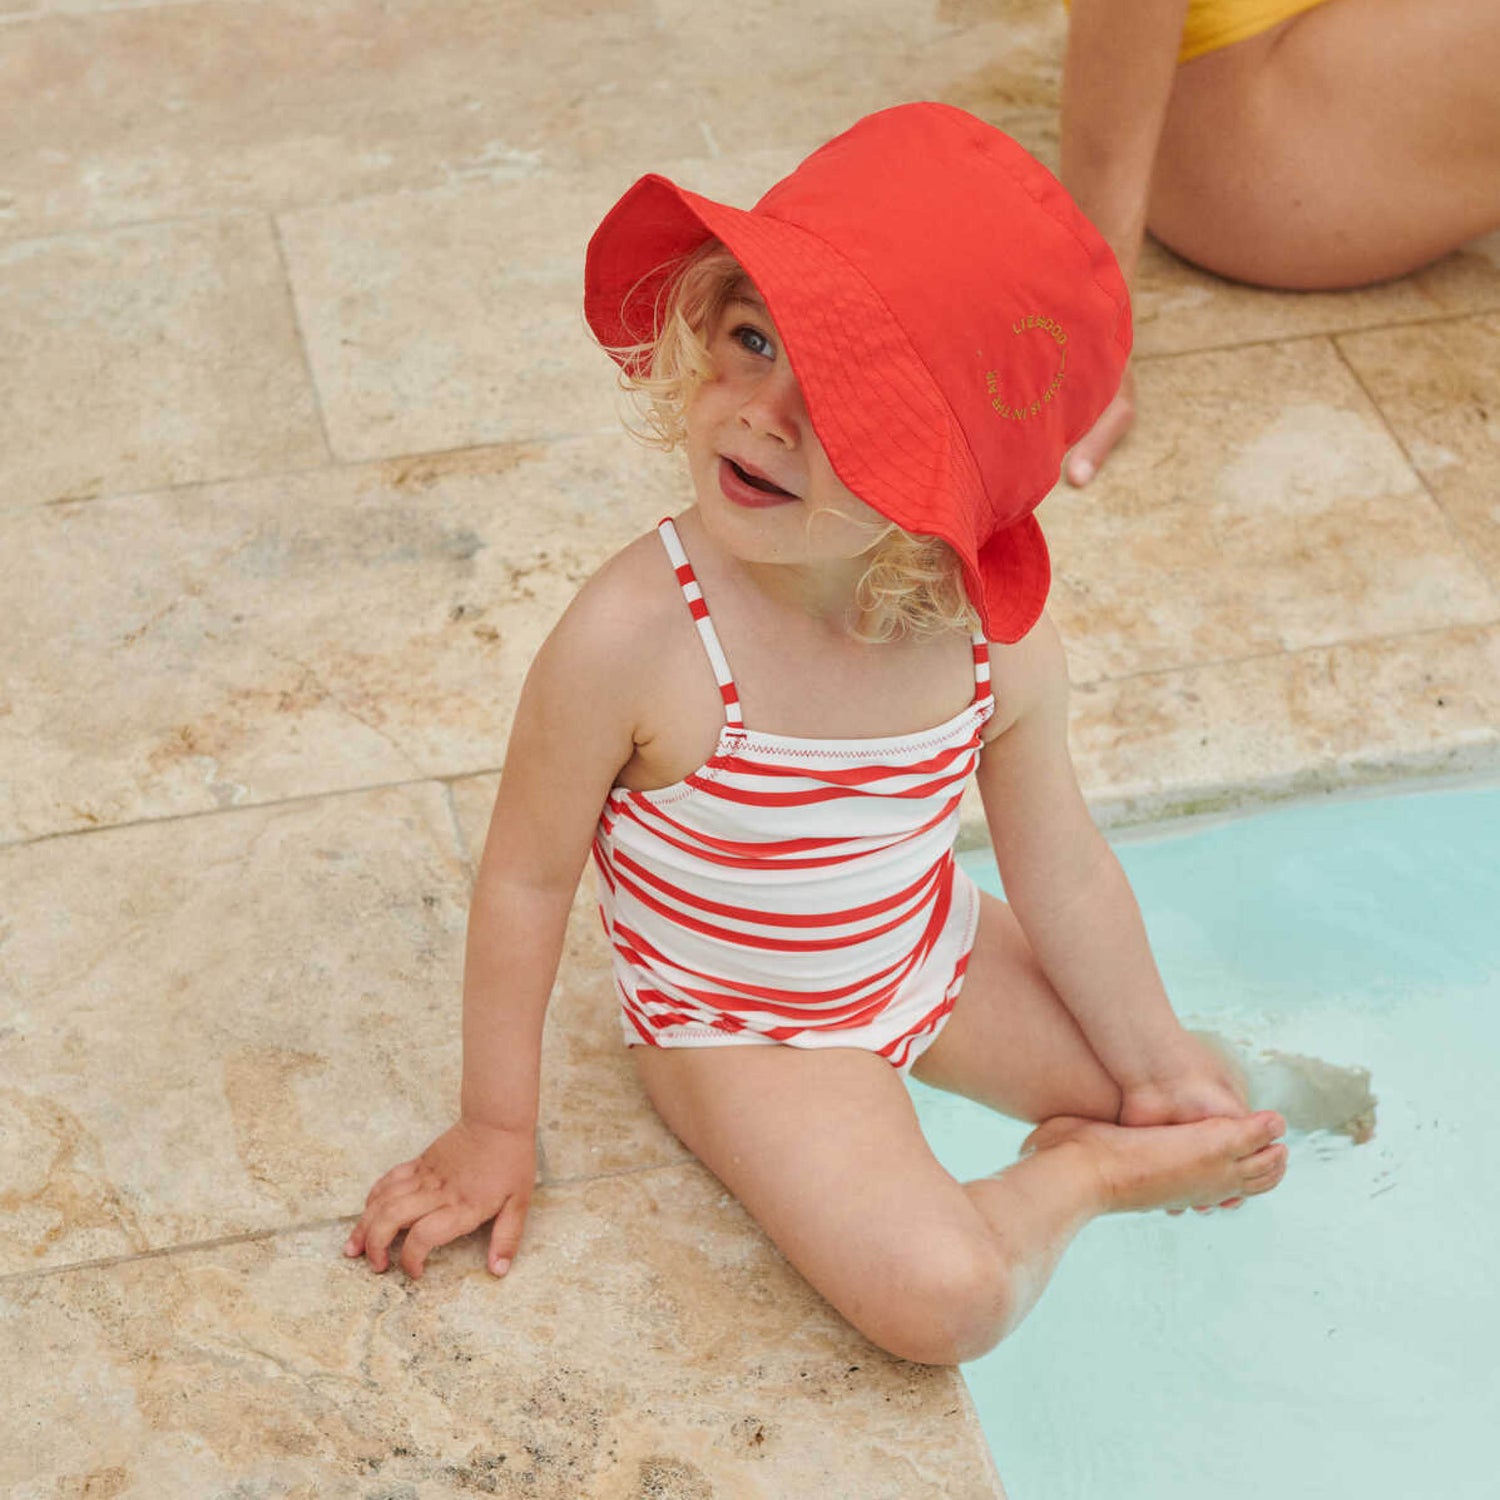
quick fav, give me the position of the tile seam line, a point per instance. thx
(307, 1226)
(443, 779)
(311, 375)
(447, 779)
(162, 1252)
(453, 180)
(333, 465)
(24, 16)
(1488, 623)
(166, 221)
(1331, 334)
(460, 843)
(1455, 532)
(618, 1172)
(255, 210)
(278, 213)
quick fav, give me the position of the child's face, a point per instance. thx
(764, 484)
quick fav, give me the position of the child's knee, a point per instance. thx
(952, 1302)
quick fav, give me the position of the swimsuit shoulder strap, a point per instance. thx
(698, 606)
(982, 692)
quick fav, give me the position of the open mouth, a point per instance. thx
(756, 483)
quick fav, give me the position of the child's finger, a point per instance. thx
(389, 1218)
(397, 1175)
(363, 1236)
(505, 1237)
(427, 1233)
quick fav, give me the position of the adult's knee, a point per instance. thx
(952, 1301)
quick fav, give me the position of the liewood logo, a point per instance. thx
(1023, 410)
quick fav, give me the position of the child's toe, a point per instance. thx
(1262, 1171)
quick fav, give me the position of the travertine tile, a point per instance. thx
(453, 317)
(1178, 307)
(1205, 740)
(595, 1117)
(176, 652)
(169, 110)
(1209, 738)
(647, 1342)
(473, 801)
(224, 1024)
(448, 318)
(29, 9)
(149, 356)
(833, 64)
(1439, 388)
(1261, 505)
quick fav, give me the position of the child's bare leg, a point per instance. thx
(1124, 1169)
(824, 1149)
(1010, 1043)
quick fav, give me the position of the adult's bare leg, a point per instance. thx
(1355, 142)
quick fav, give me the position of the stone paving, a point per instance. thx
(304, 449)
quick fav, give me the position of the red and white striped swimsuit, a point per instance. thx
(793, 890)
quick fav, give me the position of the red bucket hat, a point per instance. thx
(953, 320)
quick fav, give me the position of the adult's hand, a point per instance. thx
(1093, 449)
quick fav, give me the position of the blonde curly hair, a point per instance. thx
(913, 584)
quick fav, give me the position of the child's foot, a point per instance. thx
(1172, 1166)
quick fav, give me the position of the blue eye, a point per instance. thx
(751, 338)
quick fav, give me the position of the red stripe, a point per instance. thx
(734, 853)
(899, 1050)
(751, 939)
(780, 919)
(854, 776)
(770, 855)
(736, 995)
(601, 863)
(808, 1006)
(728, 793)
(634, 1020)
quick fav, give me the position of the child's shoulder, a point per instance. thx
(629, 598)
(615, 627)
(1027, 676)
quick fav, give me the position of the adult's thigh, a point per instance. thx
(824, 1149)
(1357, 141)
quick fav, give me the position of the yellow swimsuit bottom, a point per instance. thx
(1211, 24)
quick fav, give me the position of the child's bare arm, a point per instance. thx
(1074, 903)
(572, 732)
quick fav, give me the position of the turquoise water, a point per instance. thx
(1339, 1337)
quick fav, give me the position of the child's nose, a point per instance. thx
(774, 408)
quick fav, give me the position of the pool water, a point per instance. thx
(1339, 1337)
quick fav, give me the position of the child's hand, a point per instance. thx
(467, 1175)
(1199, 1083)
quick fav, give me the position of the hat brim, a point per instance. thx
(889, 434)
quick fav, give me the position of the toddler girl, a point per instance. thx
(760, 719)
